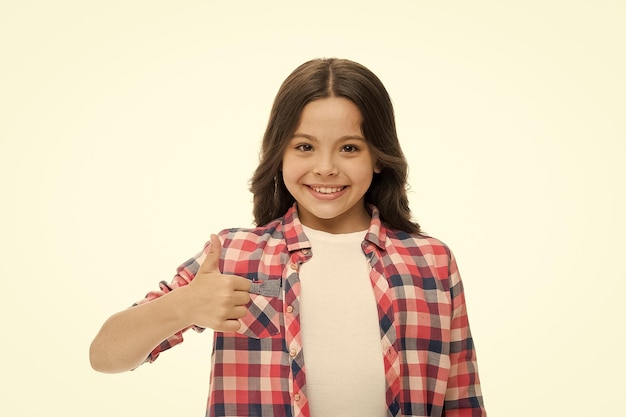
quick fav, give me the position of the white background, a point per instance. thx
(129, 131)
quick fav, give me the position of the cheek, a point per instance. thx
(365, 174)
(291, 170)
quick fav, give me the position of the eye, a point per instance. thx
(304, 147)
(349, 148)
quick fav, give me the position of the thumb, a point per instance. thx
(212, 261)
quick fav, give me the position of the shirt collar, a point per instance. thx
(296, 238)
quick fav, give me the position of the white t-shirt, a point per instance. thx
(340, 331)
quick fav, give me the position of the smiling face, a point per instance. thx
(328, 167)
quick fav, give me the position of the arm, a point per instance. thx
(463, 396)
(207, 299)
(127, 338)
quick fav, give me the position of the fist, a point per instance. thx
(215, 300)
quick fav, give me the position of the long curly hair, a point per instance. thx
(320, 78)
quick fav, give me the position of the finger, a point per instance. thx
(241, 298)
(212, 261)
(241, 283)
(237, 312)
(230, 326)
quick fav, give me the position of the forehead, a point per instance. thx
(330, 114)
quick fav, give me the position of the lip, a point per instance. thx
(326, 196)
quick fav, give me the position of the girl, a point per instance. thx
(335, 304)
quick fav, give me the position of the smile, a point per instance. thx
(327, 190)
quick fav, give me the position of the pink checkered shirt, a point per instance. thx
(427, 347)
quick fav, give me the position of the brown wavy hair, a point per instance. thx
(320, 78)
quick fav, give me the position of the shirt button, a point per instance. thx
(306, 252)
(296, 397)
(294, 266)
(293, 353)
(289, 309)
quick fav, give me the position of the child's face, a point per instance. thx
(328, 167)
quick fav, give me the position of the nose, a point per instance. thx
(325, 166)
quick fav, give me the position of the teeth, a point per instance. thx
(327, 190)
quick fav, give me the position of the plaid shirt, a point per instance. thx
(427, 348)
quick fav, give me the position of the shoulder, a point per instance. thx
(401, 239)
(422, 249)
(251, 239)
(249, 252)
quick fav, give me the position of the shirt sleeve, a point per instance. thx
(463, 397)
(184, 274)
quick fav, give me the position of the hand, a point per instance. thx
(215, 300)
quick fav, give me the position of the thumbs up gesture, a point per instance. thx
(215, 300)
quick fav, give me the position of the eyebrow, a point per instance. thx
(343, 138)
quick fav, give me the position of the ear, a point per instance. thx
(377, 168)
